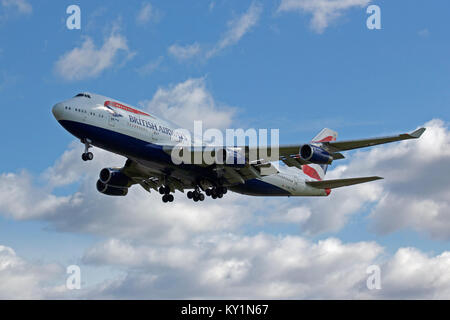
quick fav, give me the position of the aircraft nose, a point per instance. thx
(57, 110)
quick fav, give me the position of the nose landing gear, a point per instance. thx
(87, 156)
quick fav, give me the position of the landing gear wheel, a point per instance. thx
(190, 194)
(164, 198)
(170, 197)
(87, 156)
(220, 195)
(201, 197)
(208, 192)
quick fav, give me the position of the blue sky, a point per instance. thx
(261, 64)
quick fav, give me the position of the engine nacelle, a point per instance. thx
(114, 177)
(315, 154)
(231, 157)
(111, 190)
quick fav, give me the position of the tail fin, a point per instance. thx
(318, 171)
(326, 135)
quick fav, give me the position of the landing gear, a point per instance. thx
(168, 198)
(196, 195)
(216, 192)
(165, 191)
(87, 156)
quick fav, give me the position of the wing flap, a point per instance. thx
(337, 183)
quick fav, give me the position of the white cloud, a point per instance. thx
(189, 101)
(323, 12)
(267, 267)
(22, 6)
(88, 61)
(237, 28)
(326, 216)
(20, 279)
(416, 194)
(238, 267)
(412, 274)
(147, 13)
(413, 195)
(184, 52)
(20, 199)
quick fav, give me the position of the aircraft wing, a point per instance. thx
(337, 183)
(337, 146)
(180, 179)
(290, 153)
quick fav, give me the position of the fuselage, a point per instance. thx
(125, 130)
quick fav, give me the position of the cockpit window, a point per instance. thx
(83, 95)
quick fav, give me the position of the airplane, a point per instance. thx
(147, 141)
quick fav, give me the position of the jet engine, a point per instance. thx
(315, 154)
(111, 190)
(114, 177)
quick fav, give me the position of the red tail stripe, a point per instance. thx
(311, 172)
(327, 139)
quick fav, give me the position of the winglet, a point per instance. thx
(416, 134)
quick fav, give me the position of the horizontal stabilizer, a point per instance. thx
(337, 183)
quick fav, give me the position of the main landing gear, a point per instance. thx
(215, 192)
(87, 156)
(165, 191)
(196, 195)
